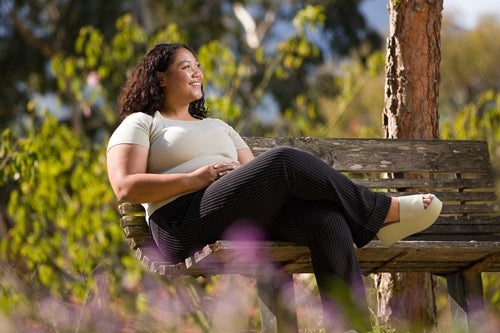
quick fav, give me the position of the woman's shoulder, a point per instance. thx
(137, 119)
(133, 122)
(216, 121)
(134, 129)
(139, 116)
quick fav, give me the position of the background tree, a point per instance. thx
(43, 28)
(469, 64)
(32, 32)
(411, 112)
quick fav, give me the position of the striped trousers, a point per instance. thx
(283, 194)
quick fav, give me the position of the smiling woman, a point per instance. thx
(199, 182)
(144, 92)
(182, 80)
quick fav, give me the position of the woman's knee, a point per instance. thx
(284, 150)
(288, 154)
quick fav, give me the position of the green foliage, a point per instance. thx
(469, 64)
(36, 32)
(308, 18)
(225, 76)
(479, 120)
(66, 226)
(350, 95)
(32, 32)
(295, 50)
(236, 85)
(106, 61)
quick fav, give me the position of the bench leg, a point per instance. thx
(466, 298)
(277, 305)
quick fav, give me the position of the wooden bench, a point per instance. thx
(464, 242)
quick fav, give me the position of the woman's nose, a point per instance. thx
(197, 72)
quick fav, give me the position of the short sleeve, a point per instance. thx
(133, 130)
(238, 141)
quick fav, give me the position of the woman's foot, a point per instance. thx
(409, 215)
(393, 214)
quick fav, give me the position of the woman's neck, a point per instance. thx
(177, 115)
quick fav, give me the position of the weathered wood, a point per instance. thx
(464, 241)
(276, 316)
(466, 293)
(226, 257)
(382, 155)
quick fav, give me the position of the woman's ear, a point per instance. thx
(161, 78)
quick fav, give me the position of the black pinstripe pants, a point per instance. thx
(283, 194)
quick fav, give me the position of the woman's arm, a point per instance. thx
(127, 172)
(245, 155)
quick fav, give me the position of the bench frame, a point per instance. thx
(464, 242)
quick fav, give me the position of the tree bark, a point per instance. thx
(412, 70)
(406, 301)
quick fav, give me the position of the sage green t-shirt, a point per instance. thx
(177, 146)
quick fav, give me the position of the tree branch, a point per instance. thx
(45, 49)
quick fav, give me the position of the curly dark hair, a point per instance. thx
(142, 91)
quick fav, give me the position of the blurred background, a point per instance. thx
(272, 68)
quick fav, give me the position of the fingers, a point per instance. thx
(226, 165)
(223, 168)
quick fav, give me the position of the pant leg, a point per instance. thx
(257, 192)
(274, 176)
(321, 226)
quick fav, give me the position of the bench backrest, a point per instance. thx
(458, 172)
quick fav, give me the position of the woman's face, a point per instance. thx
(182, 80)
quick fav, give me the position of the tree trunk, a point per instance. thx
(406, 301)
(412, 70)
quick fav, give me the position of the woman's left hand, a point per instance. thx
(223, 168)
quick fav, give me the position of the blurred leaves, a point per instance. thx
(63, 207)
(97, 69)
(478, 120)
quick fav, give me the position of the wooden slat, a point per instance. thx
(436, 257)
(384, 155)
(152, 259)
(451, 184)
(133, 231)
(137, 242)
(132, 220)
(126, 208)
(489, 196)
(470, 208)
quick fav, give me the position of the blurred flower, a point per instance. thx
(93, 79)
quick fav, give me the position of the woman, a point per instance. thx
(199, 182)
